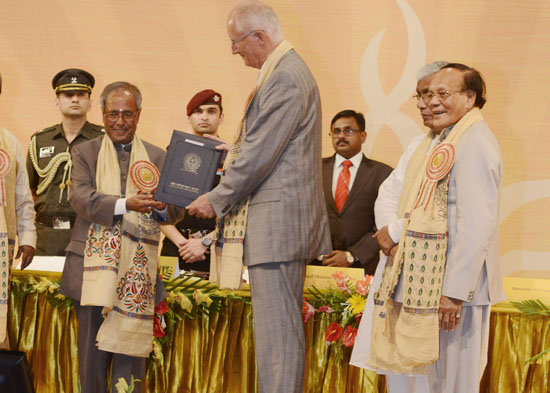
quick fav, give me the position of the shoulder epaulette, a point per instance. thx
(51, 128)
(97, 127)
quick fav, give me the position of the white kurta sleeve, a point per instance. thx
(24, 205)
(385, 207)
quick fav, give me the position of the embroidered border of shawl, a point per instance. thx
(428, 236)
(130, 314)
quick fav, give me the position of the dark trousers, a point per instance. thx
(94, 364)
(51, 242)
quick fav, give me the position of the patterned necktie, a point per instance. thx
(342, 186)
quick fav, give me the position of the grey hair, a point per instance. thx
(120, 85)
(430, 69)
(255, 15)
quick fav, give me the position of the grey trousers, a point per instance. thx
(94, 364)
(277, 289)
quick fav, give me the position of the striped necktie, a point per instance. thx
(342, 186)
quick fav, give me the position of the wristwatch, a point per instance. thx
(349, 258)
(206, 241)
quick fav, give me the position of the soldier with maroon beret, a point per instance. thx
(190, 239)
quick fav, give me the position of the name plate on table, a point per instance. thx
(525, 285)
(321, 276)
(189, 169)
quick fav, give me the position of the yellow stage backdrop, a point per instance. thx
(364, 54)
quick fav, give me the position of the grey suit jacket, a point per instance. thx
(472, 271)
(352, 228)
(92, 206)
(279, 167)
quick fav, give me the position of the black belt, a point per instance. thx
(53, 221)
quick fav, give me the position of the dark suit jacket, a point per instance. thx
(92, 206)
(352, 228)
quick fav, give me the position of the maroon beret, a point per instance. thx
(205, 97)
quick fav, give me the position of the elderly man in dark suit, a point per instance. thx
(272, 187)
(351, 182)
(109, 213)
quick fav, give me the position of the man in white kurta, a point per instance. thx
(17, 214)
(472, 280)
(24, 209)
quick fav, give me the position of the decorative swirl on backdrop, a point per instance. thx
(384, 109)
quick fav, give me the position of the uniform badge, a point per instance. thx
(46, 151)
(74, 79)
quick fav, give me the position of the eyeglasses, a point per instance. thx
(441, 95)
(127, 116)
(235, 42)
(346, 132)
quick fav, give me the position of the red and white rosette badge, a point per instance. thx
(440, 162)
(5, 166)
(144, 175)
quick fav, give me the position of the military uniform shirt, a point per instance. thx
(50, 142)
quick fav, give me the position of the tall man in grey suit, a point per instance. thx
(278, 169)
(472, 279)
(351, 182)
(121, 105)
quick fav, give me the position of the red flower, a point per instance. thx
(349, 336)
(325, 309)
(161, 308)
(307, 310)
(340, 276)
(358, 318)
(157, 328)
(341, 281)
(333, 332)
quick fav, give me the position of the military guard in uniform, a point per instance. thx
(49, 160)
(190, 239)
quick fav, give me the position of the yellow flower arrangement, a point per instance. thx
(201, 297)
(356, 303)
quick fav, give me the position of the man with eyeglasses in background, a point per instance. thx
(111, 265)
(351, 182)
(49, 160)
(427, 322)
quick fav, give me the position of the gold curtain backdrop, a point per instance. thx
(215, 354)
(363, 53)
